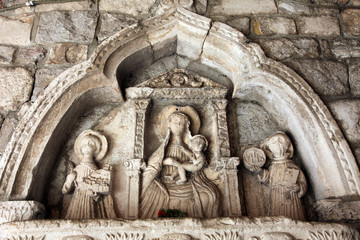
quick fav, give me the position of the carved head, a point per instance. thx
(91, 142)
(198, 143)
(178, 124)
(89, 145)
(278, 146)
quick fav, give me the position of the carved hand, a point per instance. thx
(293, 188)
(255, 169)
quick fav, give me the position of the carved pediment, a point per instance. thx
(179, 78)
(178, 84)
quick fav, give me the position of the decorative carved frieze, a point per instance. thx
(174, 236)
(21, 210)
(223, 235)
(219, 107)
(125, 236)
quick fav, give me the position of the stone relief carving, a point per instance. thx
(21, 210)
(285, 179)
(162, 188)
(91, 197)
(223, 236)
(26, 237)
(337, 210)
(274, 236)
(174, 236)
(77, 237)
(329, 235)
(125, 236)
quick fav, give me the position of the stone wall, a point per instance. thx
(318, 39)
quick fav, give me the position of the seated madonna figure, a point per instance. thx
(197, 196)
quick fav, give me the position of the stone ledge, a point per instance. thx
(217, 228)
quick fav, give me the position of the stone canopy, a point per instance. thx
(332, 173)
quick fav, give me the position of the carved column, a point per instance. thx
(134, 166)
(226, 165)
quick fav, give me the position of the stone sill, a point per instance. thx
(180, 228)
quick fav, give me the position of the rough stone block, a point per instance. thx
(135, 7)
(284, 48)
(325, 49)
(112, 23)
(6, 54)
(325, 77)
(347, 114)
(321, 26)
(357, 155)
(343, 48)
(68, 26)
(17, 32)
(30, 55)
(354, 77)
(43, 77)
(67, 53)
(293, 7)
(350, 19)
(242, 7)
(271, 26)
(7, 128)
(241, 24)
(15, 87)
(65, 6)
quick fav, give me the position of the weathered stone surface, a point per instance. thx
(241, 24)
(344, 48)
(134, 8)
(7, 128)
(15, 87)
(112, 23)
(42, 79)
(357, 155)
(65, 6)
(6, 54)
(325, 49)
(239, 7)
(68, 26)
(350, 19)
(67, 53)
(321, 26)
(347, 114)
(17, 32)
(293, 7)
(354, 77)
(326, 77)
(271, 26)
(30, 55)
(283, 48)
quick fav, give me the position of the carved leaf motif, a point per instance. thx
(223, 236)
(26, 238)
(325, 235)
(125, 236)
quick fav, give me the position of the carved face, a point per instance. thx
(197, 144)
(88, 146)
(178, 123)
(279, 145)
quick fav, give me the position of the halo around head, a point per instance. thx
(101, 144)
(187, 110)
(265, 144)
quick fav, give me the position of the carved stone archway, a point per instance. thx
(326, 155)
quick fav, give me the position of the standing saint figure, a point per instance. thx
(198, 196)
(286, 180)
(91, 198)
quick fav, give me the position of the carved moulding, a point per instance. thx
(11, 211)
(337, 210)
(187, 228)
